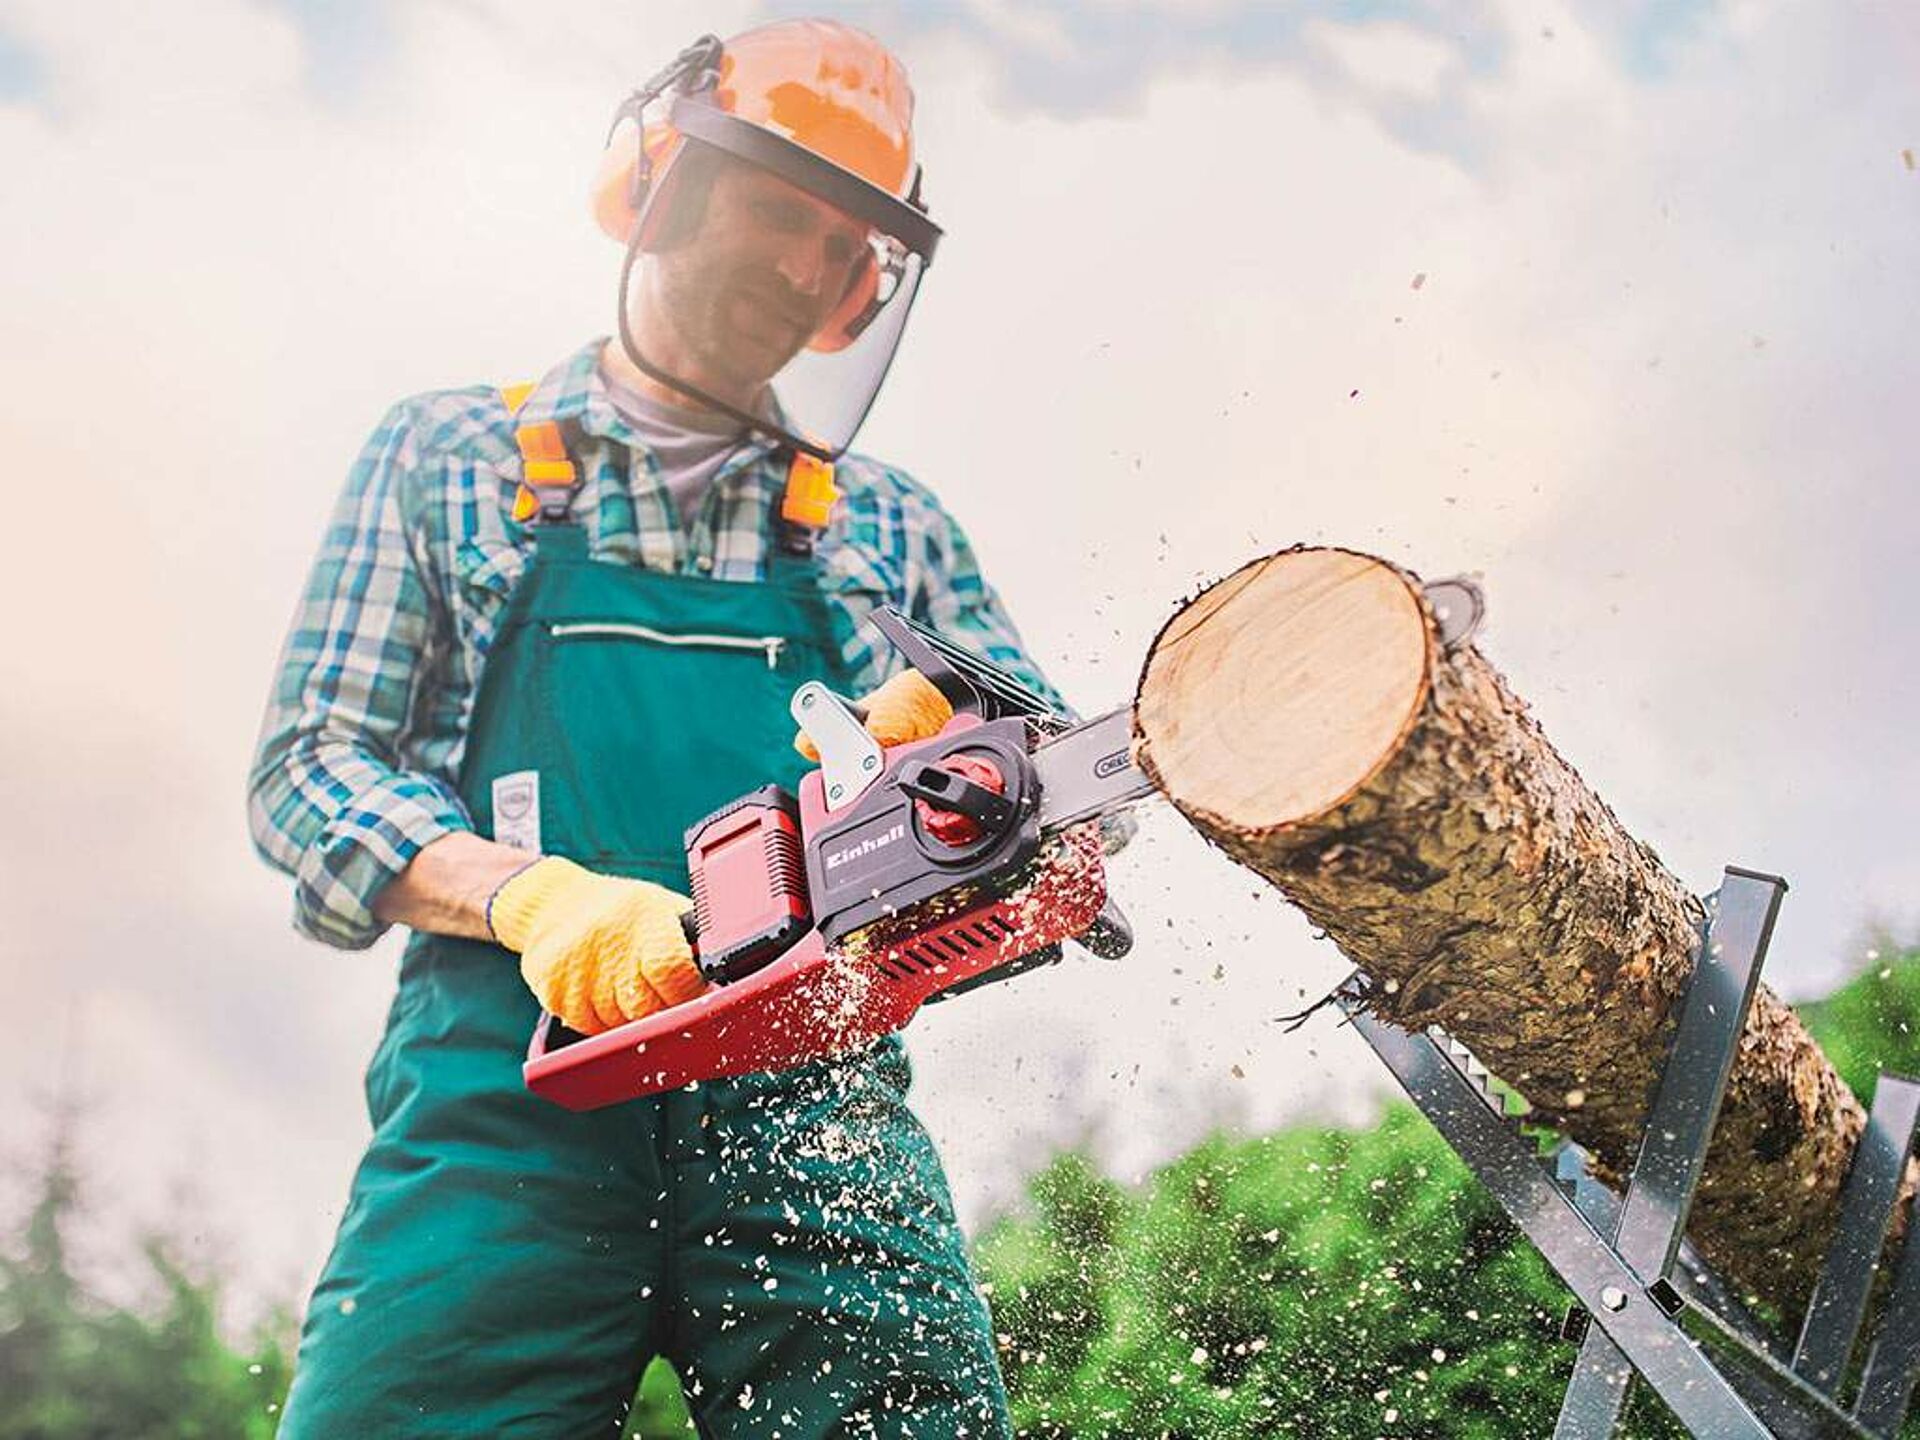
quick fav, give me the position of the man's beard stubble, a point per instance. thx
(696, 306)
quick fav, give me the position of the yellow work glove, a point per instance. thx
(597, 950)
(907, 707)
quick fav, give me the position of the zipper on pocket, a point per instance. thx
(768, 645)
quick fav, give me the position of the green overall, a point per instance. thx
(507, 1268)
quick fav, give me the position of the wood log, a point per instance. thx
(1304, 715)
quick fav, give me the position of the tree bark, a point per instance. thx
(1305, 716)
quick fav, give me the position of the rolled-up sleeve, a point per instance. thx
(328, 801)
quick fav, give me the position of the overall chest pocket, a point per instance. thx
(770, 646)
(653, 724)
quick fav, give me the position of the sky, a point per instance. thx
(1610, 305)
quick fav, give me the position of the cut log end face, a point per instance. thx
(1280, 691)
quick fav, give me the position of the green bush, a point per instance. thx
(75, 1368)
(1872, 1023)
(659, 1408)
(1315, 1282)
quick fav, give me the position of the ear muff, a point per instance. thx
(626, 171)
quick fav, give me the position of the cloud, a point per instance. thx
(21, 76)
(1074, 61)
(1647, 36)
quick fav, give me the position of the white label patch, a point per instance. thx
(516, 809)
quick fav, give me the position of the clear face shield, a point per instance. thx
(767, 282)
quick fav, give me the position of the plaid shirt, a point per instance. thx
(359, 754)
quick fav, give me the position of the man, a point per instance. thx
(546, 631)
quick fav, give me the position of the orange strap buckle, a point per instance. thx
(548, 478)
(810, 492)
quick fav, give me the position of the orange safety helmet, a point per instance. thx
(825, 107)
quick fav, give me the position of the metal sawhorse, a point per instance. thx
(1618, 1253)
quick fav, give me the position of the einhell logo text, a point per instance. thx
(837, 858)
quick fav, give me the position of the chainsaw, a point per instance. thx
(897, 877)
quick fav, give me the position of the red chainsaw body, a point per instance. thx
(814, 1001)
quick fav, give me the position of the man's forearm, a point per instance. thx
(446, 886)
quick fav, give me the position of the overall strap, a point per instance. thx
(549, 480)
